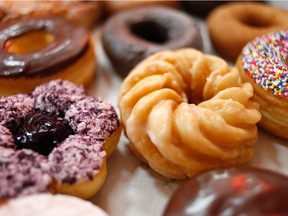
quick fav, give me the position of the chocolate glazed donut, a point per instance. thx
(132, 35)
(234, 191)
(68, 45)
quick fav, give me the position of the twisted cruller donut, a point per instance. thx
(263, 63)
(185, 112)
(55, 139)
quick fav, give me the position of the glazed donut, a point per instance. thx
(112, 7)
(263, 63)
(248, 20)
(55, 139)
(233, 191)
(185, 112)
(36, 50)
(132, 35)
(47, 205)
(83, 13)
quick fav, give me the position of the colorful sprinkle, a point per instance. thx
(264, 60)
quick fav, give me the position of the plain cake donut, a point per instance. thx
(232, 191)
(231, 26)
(37, 50)
(263, 63)
(185, 112)
(132, 35)
(56, 139)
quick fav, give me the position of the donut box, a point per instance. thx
(131, 186)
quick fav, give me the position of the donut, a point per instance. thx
(263, 63)
(37, 50)
(233, 191)
(55, 139)
(47, 205)
(112, 7)
(132, 35)
(185, 112)
(248, 20)
(83, 13)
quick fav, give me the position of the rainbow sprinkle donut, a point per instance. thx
(263, 64)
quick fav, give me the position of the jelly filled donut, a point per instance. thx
(263, 63)
(55, 139)
(48, 205)
(36, 50)
(185, 112)
(132, 35)
(248, 20)
(233, 191)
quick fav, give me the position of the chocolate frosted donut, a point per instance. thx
(233, 191)
(132, 35)
(42, 148)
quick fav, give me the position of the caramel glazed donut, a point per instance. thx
(36, 50)
(55, 139)
(233, 191)
(132, 35)
(263, 63)
(50, 205)
(248, 20)
(185, 112)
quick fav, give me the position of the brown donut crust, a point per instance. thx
(233, 25)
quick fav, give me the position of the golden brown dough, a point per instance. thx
(185, 112)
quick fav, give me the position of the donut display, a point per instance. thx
(83, 13)
(132, 35)
(56, 139)
(36, 50)
(185, 112)
(233, 191)
(48, 205)
(263, 63)
(248, 20)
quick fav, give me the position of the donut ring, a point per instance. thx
(185, 112)
(126, 41)
(22, 70)
(237, 190)
(248, 20)
(263, 63)
(76, 164)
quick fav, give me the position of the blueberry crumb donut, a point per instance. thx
(232, 191)
(185, 112)
(47, 146)
(263, 63)
(132, 35)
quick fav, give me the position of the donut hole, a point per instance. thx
(150, 31)
(29, 42)
(256, 21)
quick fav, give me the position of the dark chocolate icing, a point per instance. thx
(70, 43)
(234, 191)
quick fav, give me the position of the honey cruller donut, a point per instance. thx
(48, 205)
(263, 63)
(185, 112)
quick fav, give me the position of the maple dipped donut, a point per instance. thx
(56, 139)
(37, 50)
(112, 7)
(48, 204)
(130, 36)
(248, 19)
(83, 13)
(233, 191)
(185, 112)
(263, 63)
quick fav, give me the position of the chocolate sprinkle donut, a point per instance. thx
(132, 35)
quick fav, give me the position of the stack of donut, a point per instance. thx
(56, 139)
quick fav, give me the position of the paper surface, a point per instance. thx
(131, 187)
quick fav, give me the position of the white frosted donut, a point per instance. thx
(50, 205)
